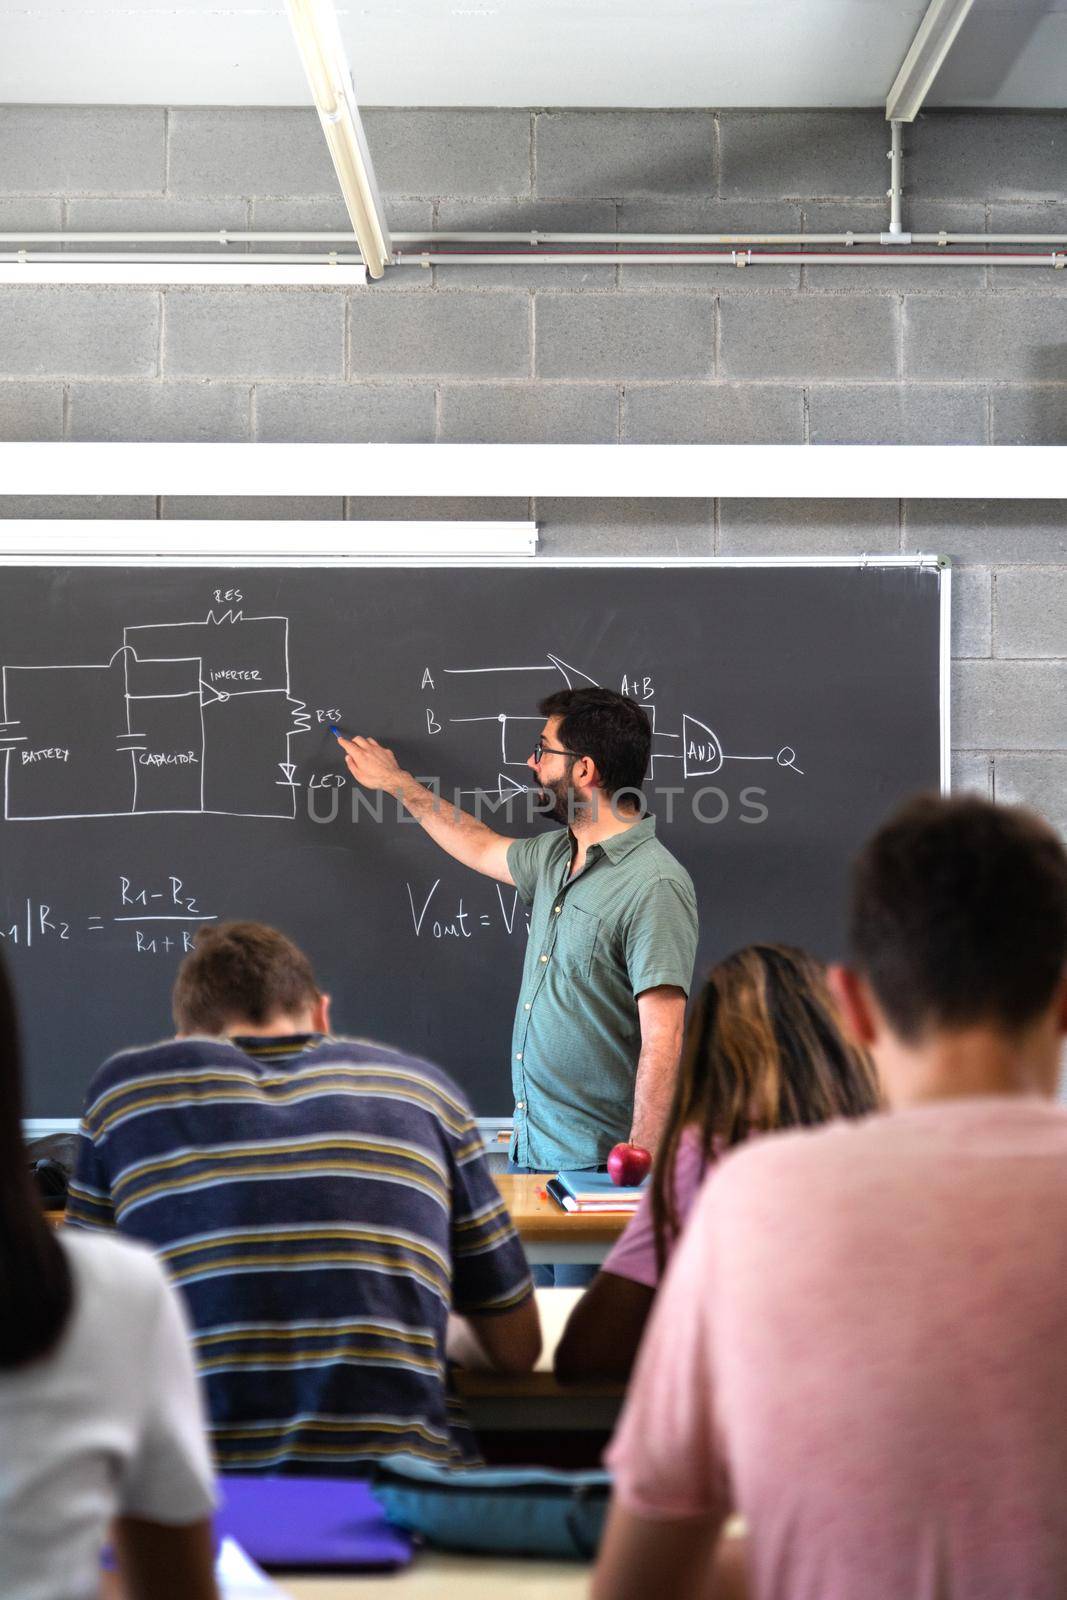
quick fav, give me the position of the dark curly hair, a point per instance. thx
(610, 728)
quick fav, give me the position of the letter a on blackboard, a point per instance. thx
(427, 679)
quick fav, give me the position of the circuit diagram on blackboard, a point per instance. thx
(691, 749)
(183, 717)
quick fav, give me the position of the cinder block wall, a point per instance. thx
(599, 354)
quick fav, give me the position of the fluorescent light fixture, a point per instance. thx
(935, 37)
(322, 51)
(139, 542)
(601, 471)
(212, 272)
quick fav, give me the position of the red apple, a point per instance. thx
(629, 1163)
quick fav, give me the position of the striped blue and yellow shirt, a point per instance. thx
(322, 1203)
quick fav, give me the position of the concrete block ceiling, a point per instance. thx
(800, 53)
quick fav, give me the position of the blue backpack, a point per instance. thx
(532, 1511)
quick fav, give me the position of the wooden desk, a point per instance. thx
(549, 1234)
(432, 1575)
(438, 1575)
(534, 1402)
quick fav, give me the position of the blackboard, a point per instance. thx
(168, 759)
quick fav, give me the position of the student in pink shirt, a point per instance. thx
(861, 1342)
(763, 1050)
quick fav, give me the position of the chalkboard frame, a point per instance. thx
(245, 550)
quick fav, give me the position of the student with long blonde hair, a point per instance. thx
(763, 1050)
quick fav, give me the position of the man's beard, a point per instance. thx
(559, 801)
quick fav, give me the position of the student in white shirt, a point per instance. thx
(100, 1418)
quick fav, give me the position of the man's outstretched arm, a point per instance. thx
(464, 837)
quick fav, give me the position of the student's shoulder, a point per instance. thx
(778, 1166)
(114, 1271)
(397, 1072)
(165, 1055)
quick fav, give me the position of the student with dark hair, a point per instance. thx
(99, 1413)
(322, 1203)
(613, 930)
(860, 1344)
(764, 1050)
(243, 971)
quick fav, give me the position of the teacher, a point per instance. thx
(613, 930)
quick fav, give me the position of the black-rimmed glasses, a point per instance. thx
(542, 749)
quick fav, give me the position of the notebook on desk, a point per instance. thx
(309, 1523)
(594, 1191)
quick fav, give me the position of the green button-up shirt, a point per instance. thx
(626, 923)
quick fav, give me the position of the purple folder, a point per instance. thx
(309, 1522)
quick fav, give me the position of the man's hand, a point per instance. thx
(372, 765)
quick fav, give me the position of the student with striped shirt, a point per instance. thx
(323, 1203)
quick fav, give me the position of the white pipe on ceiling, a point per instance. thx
(896, 167)
(735, 258)
(245, 263)
(43, 266)
(530, 237)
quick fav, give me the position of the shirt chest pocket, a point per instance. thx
(576, 940)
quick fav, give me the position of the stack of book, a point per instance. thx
(594, 1191)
